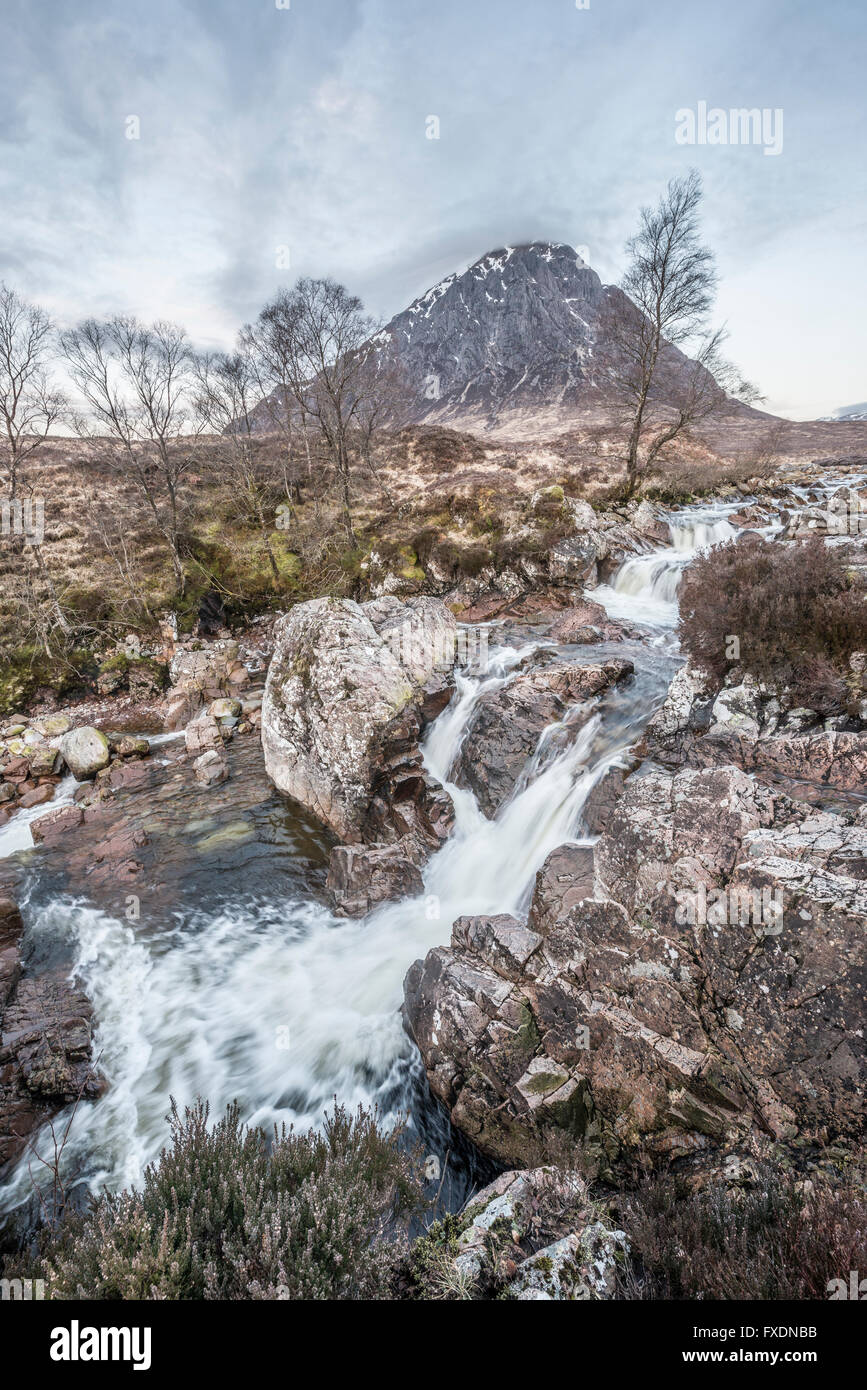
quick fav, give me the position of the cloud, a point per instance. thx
(265, 128)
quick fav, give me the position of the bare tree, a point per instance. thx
(324, 340)
(667, 294)
(30, 404)
(136, 381)
(228, 389)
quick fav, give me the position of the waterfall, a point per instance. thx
(282, 1005)
(644, 588)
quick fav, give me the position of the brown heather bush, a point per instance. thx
(779, 1239)
(797, 619)
(223, 1214)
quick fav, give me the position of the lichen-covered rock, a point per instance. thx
(536, 1233)
(85, 751)
(718, 998)
(335, 686)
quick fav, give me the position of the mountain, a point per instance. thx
(850, 412)
(519, 328)
(513, 346)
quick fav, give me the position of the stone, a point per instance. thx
(334, 688)
(37, 796)
(359, 877)
(211, 768)
(85, 751)
(203, 734)
(507, 724)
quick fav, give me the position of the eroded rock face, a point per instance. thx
(45, 1042)
(717, 999)
(335, 686)
(706, 725)
(508, 723)
(359, 878)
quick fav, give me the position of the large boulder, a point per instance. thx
(342, 673)
(715, 1004)
(360, 877)
(85, 751)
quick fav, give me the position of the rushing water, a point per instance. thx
(274, 1001)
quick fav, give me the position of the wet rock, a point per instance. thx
(128, 746)
(211, 768)
(566, 877)
(602, 798)
(37, 797)
(359, 878)
(507, 724)
(51, 828)
(203, 734)
(45, 1043)
(85, 751)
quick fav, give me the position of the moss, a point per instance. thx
(28, 670)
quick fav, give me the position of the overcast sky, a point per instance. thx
(305, 128)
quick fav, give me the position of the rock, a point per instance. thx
(714, 1003)
(53, 725)
(360, 878)
(45, 1043)
(44, 761)
(678, 830)
(334, 687)
(225, 709)
(85, 751)
(129, 746)
(747, 726)
(739, 707)
(497, 1241)
(202, 735)
(508, 723)
(566, 877)
(581, 1265)
(37, 796)
(651, 521)
(211, 768)
(602, 798)
(51, 828)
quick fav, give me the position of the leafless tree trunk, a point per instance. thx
(227, 391)
(664, 302)
(136, 382)
(318, 336)
(29, 402)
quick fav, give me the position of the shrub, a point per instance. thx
(223, 1214)
(780, 1239)
(791, 607)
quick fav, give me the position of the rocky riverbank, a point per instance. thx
(636, 901)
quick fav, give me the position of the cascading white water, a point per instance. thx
(16, 834)
(283, 1006)
(644, 589)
